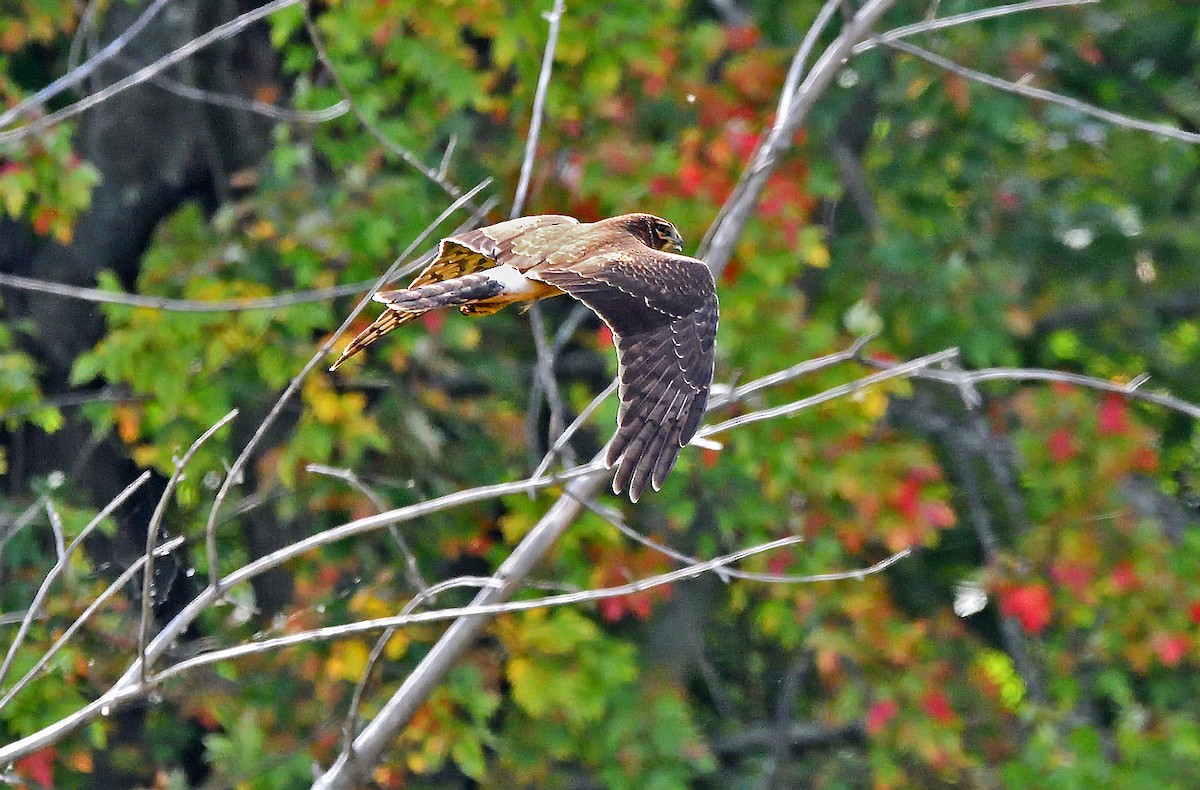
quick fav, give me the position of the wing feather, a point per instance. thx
(662, 310)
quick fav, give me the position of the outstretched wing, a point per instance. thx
(467, 253)
(662, 310)
(518, 242)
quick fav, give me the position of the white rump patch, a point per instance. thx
(511, 278)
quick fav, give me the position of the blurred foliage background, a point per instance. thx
(1061, 521)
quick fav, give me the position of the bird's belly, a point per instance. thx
(524, 291)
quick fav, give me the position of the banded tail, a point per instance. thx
(405, 305)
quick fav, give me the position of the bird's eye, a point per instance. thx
(668, 238)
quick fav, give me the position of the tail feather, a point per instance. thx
(383, 324)
(405, 305)
(448, 293)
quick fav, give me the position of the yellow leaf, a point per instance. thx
(872, 402)
(397, 646)
(263, 229)
(145, 455)
(817, 256)
(348, 661)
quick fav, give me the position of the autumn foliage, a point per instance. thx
(925, 207)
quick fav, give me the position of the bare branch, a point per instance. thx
(743, 391)
(410, 560)
(234, 102)
(170, 304)
(788, 409)
(575, 425)
(1115, 118)
(554, 18)
(408, 157)
(152, 533)
(214, 573)
(77, 75)
(717, 246)
(146, 72)
(56, 526)
(930, 25)
(183, 305)
(477, 610)
(112, 589)
(800, 60)
(1132, 390)
(545, 358)
(61, 566)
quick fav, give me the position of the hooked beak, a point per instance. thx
(674, 243)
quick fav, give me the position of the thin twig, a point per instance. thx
(353, 480)
(56, 527)
(25, 519)
(545, 358)
(554, 19)
(113, 588)
(742, 391)
(170, 304)
(717, 246)
(214, 574)
(800, 60)
(474, 610)
(198, 43)
(85, 35)
(1041, 94)
(1131, 390)
(406, 156)
(183, 305)
(152, 535)
(61, 566)
(789, 409)
(77, 75)
(544, 370)
(726, 574)
(574, 427)
(931, 25)
(70, 399)
(235, 102)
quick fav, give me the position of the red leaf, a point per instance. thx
(741, 37)
(1170, 648)
(1125, 578)
(1194, 613)
(433, 321)
(43, 218)
(1030, 604)
(908, 499)
(937, 706)
(1114, 417)
(612, 609)
(938, 514)
(879, 714)
(38, 766)
(661, 186)
(604, 337)
(1076, 577)
(1061, 446)
(690, 178)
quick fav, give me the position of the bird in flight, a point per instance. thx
(661, 307)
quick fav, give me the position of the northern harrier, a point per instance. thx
(660, 306)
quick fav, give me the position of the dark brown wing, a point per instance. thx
(662, 310)
(466, 253)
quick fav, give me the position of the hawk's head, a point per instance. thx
(654, 231)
